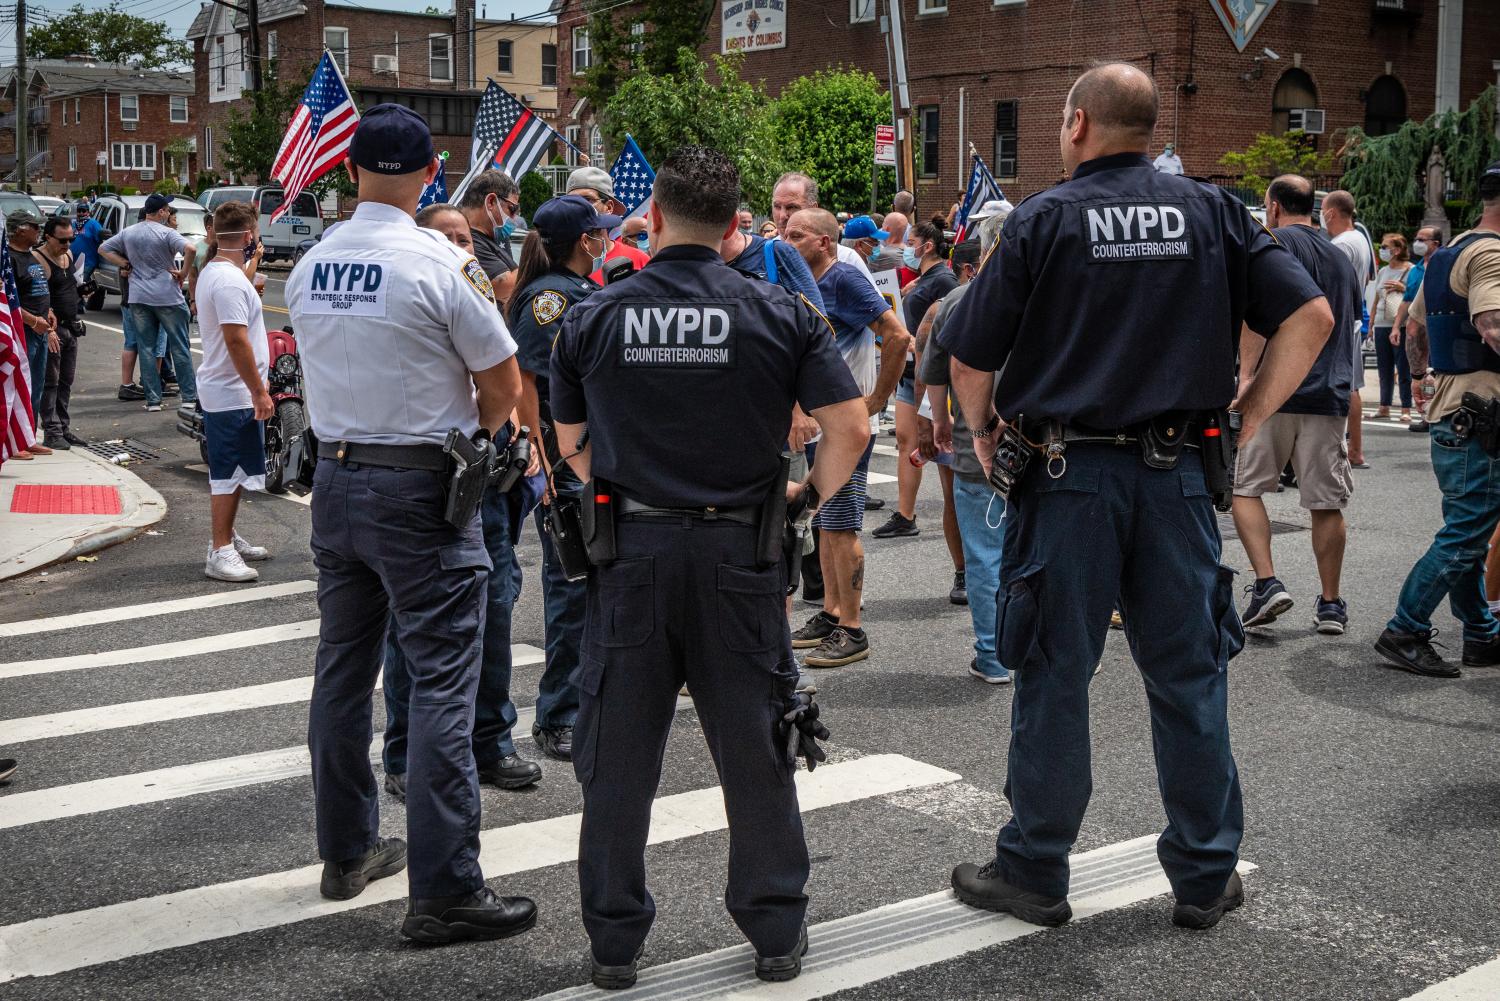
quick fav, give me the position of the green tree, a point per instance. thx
(535, 189)
(1270, 156)
(826, 124)
(108, 36)
(252, 138)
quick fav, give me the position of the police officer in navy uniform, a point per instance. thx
(400, 343)
(685, 376)
(1142, 348)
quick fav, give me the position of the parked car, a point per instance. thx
(303, 222)
(51, 205)
(11, 201)
(115, 212)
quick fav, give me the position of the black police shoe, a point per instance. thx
(478, 916)
(395, 784)
(776, 969)
(74, 439)
(347, 880)
(1413, 652)
(616, 978)
(554, 742)
(874, 503)
(1205, 917)
(983, 888)
(56, 441)
(1419, 426)
(958, 594)
(511, 772)
(1482, 653)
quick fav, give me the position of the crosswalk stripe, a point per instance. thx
(50, 945)
(123, 613)
(864, 948)
(125, 714)
(219, 643)
(882, 449)
(875, 478)
(140, 788)
(1482, 983)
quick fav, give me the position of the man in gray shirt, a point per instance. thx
(145, 253)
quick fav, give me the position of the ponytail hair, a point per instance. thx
(933, 231)
(538, 256)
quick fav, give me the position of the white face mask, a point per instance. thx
(1420, 248)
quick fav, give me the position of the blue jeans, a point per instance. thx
(1454, 563)
(564, 605)
(163, 330)
(494, 712)
(36, 364)
(982, 551)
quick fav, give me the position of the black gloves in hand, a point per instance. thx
(801, 729)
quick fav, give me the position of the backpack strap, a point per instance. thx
(770, 251)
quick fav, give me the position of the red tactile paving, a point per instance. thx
(64, 498)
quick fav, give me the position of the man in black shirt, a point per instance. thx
(490, 204)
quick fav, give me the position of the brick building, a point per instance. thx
(995, 73)
(98, 122)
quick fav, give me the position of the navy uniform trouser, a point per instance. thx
(494, 712)
(385, 555)
(1110, 526)
(563, 603)
(683, 602)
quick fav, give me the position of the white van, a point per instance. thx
(303, 222)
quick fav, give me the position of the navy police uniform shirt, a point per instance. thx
(1119, 295)
(536, 319)
(686, 375)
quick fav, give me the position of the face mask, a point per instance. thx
(1420, 248)
(504, 230)
(910, 259)
(875, 254)
(1385, 254)
(597, 261)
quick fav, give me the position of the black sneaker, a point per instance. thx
(616, 978)
(1413, 652)
(1482, 653)
(983, 888)
(131, 392)
(1418, 426)
(1203, 918)
(1332, 616)
(74, 439)
(56, 441)
(347, 880)
(395, 784)
(874, 503)
(778, 969)
(481, 915)
(840, 648)
(817, 629)
(897, 527)
(7, 769)
(958, 594)
(1268, 602)
(554, 742)
(511, 772)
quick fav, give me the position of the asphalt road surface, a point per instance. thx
(158, 839)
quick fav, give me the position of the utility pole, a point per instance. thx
(21, 151)
(900, 96)
(252, 11)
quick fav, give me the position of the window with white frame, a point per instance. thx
(132, 156)
(505, 56)
(571, 133)
(72, 159)
(861, 10)
(273, 49)
(77, 110)
(932, 6)
(440, 58)
(179, 108)
(580, 50)
(1007, 137)
(220, 65)
(208, 149)
(336, 40)
(928, 126)
(130, 107)
(596, 145)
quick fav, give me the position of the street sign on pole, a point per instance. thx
(101, 158)
(885, 145)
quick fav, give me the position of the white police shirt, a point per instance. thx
(390, 320)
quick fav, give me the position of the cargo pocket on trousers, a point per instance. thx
(586, 728)
(623, 611)
(470, 557)
(752, 608)
(1231, 631)
(1018, 620)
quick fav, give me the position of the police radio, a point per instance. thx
(618, 270)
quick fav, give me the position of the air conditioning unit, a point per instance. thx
(386, 65)
(1309, 120)
(148, 175)
(129, 126)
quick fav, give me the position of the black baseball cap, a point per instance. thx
(1489, 181)
(391, 139)
(157, 201)
(565, 219)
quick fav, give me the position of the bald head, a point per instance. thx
(1289, 201)
(1111, 109)
(895, 226)
(815, 234)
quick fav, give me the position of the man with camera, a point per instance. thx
(1455, 329)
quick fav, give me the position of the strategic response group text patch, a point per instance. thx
(1136, 232)
(346, 288)
(677, 336)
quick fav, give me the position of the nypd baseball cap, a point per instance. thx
(594, 179)
(565, 219)
(391, 139)
(862, 227)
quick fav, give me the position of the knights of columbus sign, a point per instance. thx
(1242, 18)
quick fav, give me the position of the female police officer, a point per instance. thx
(566, 244)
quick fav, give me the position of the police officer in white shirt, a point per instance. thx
(400, 343)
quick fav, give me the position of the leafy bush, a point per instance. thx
(826, 123)
(1270, 156)
(535, 189)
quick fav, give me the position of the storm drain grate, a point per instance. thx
(123, 450)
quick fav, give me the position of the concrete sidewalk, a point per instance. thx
(67, 504)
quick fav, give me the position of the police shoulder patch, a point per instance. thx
(474, 275)
(548, 306)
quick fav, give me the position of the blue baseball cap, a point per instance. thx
(565, 219)
(391, 139)
(862, 227)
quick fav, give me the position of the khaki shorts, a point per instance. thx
(1315, 445)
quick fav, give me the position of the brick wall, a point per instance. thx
(88, 137)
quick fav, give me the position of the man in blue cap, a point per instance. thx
(401, 345)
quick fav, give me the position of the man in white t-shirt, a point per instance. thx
(1338, 223)
(232, 391)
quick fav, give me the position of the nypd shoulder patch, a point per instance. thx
(548, 306)
(474, 275)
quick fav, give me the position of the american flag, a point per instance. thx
(15, 373)
(436, 193)
(982, 188)
(633, 178)
(318, 136)
(507, 136)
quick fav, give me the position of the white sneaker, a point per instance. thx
(248, 552)
(226, 564)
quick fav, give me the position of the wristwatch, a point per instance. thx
(988, 429)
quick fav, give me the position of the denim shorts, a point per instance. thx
(906, 391)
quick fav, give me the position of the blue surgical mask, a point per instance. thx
(910, 259)
(598, 260)
(504, 230)
(875, 254)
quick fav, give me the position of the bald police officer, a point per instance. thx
(686, 596)
(1116, 376)
(401, 343)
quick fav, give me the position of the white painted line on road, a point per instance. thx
(99, 616)
(865, 948)
(881, 449)
(881, 478)
(229, 700)
(51, 945)
(95, 323)
(1482, 983)
(1385, 426)
(220, 643)
(140, 788)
